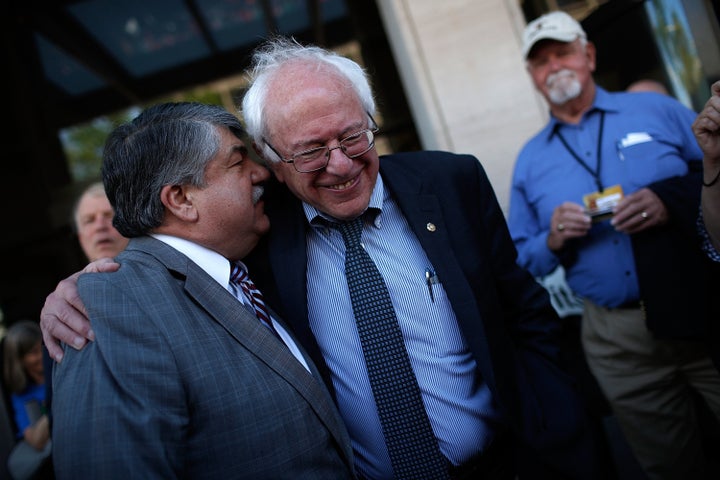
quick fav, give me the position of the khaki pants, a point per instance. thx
(648, 383)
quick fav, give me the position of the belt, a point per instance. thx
(495, 462)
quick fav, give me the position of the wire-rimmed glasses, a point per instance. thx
(314, 159)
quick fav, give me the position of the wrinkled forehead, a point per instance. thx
(296, 77)
(92, 203)
(300, 90)
(93, 199)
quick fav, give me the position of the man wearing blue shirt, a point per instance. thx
(609, 189)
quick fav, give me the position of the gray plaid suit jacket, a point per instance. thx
(183, 382)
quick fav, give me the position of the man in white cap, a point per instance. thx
(609, 189)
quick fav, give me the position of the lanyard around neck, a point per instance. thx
(595, 173)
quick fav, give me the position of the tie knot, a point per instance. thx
(241, 279)
(238, 275)
(351, 232)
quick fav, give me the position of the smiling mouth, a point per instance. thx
(343, 186)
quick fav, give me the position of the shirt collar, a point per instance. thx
(214, 264)
(603, 102)
(316, 218)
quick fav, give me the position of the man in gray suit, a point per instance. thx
(179, 382)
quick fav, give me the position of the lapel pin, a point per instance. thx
(430, 226)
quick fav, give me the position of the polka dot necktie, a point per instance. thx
(413, 448)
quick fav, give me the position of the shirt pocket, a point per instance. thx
(650, 161)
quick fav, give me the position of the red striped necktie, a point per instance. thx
(240, 277)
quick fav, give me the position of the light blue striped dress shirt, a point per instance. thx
(458, 403)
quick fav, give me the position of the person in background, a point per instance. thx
(190, 374)
(478, 331)
(92, 217)
(23, 374)
(707, 131)
(647, 85)
(609, 190)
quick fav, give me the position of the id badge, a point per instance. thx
(599, 205)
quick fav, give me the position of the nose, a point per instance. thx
(330, 150)
(102, 222)
(554, 63)
(260, 173)
(338, 162)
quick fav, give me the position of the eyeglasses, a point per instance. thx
(317, 158)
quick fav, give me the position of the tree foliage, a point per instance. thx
(83, 144)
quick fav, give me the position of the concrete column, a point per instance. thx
(465, 80)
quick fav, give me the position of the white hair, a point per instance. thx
(267, 61)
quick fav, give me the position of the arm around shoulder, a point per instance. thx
(63, 317)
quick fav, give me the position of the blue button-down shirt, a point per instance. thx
(646, 137)
(458, 402)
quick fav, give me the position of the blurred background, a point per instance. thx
(448, 75)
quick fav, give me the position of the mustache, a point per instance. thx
(257, 193)
(552, 78)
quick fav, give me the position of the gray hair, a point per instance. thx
(278, 52)
(167, 144)
(93, 190)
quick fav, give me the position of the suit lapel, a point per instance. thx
(423, 211)
(421, 207)
(244, 327)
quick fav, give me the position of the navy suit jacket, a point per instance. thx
(504, 314)
(670, 263)
(182, 381)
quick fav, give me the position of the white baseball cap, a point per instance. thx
(554, 26)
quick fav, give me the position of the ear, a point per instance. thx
(590, 51)
(178, 202)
